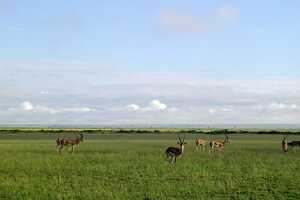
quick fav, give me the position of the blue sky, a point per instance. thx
(143, 61)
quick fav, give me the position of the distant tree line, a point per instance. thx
(151, 131)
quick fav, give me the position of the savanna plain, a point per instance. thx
(134, 166)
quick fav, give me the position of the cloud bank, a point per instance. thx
(52, 95)
(29, 107)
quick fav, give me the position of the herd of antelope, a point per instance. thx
(173, 152)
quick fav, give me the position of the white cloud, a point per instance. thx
(212, 110)
(154, 105)
(27, 106)
(157, 105)
(44, 92)
(294, 106)
(275, 106)
(228, 12)
(133, 107)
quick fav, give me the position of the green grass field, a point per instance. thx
(134, 167)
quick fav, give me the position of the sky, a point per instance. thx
(149, 62)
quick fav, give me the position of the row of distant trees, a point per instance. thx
(150, 131)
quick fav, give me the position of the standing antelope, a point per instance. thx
(62, 142)
(201, 143)
(175, 152)
(285, 144)
(219, 145)
(227, 139)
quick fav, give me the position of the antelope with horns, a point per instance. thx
(219, 145)
(174, 152)
(62, 142)
(285, 144)
(200, 143)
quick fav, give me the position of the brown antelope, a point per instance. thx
(175, 152)
(62, 142)
(285, 144)
(201, 143)
(219, 145)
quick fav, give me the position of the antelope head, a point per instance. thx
(181, 142)
(81, 137)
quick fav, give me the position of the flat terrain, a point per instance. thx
(133, 166)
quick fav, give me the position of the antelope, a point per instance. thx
(175, 152)
(201, 143)
(285, 144)
(62, 142)
(219, 145)
(214, 144)
(226, 140)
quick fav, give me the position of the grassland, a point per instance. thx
(133, 166)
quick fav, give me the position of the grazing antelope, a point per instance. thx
(285, 144)
(219, 145)
(175, 152)
(214, 144)
(201, 143)
(62, 142)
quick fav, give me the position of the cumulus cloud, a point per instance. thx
(227, 12)
(154, 105)
(27, 106)
(157, 105)
(133, 106)
(179, 22)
